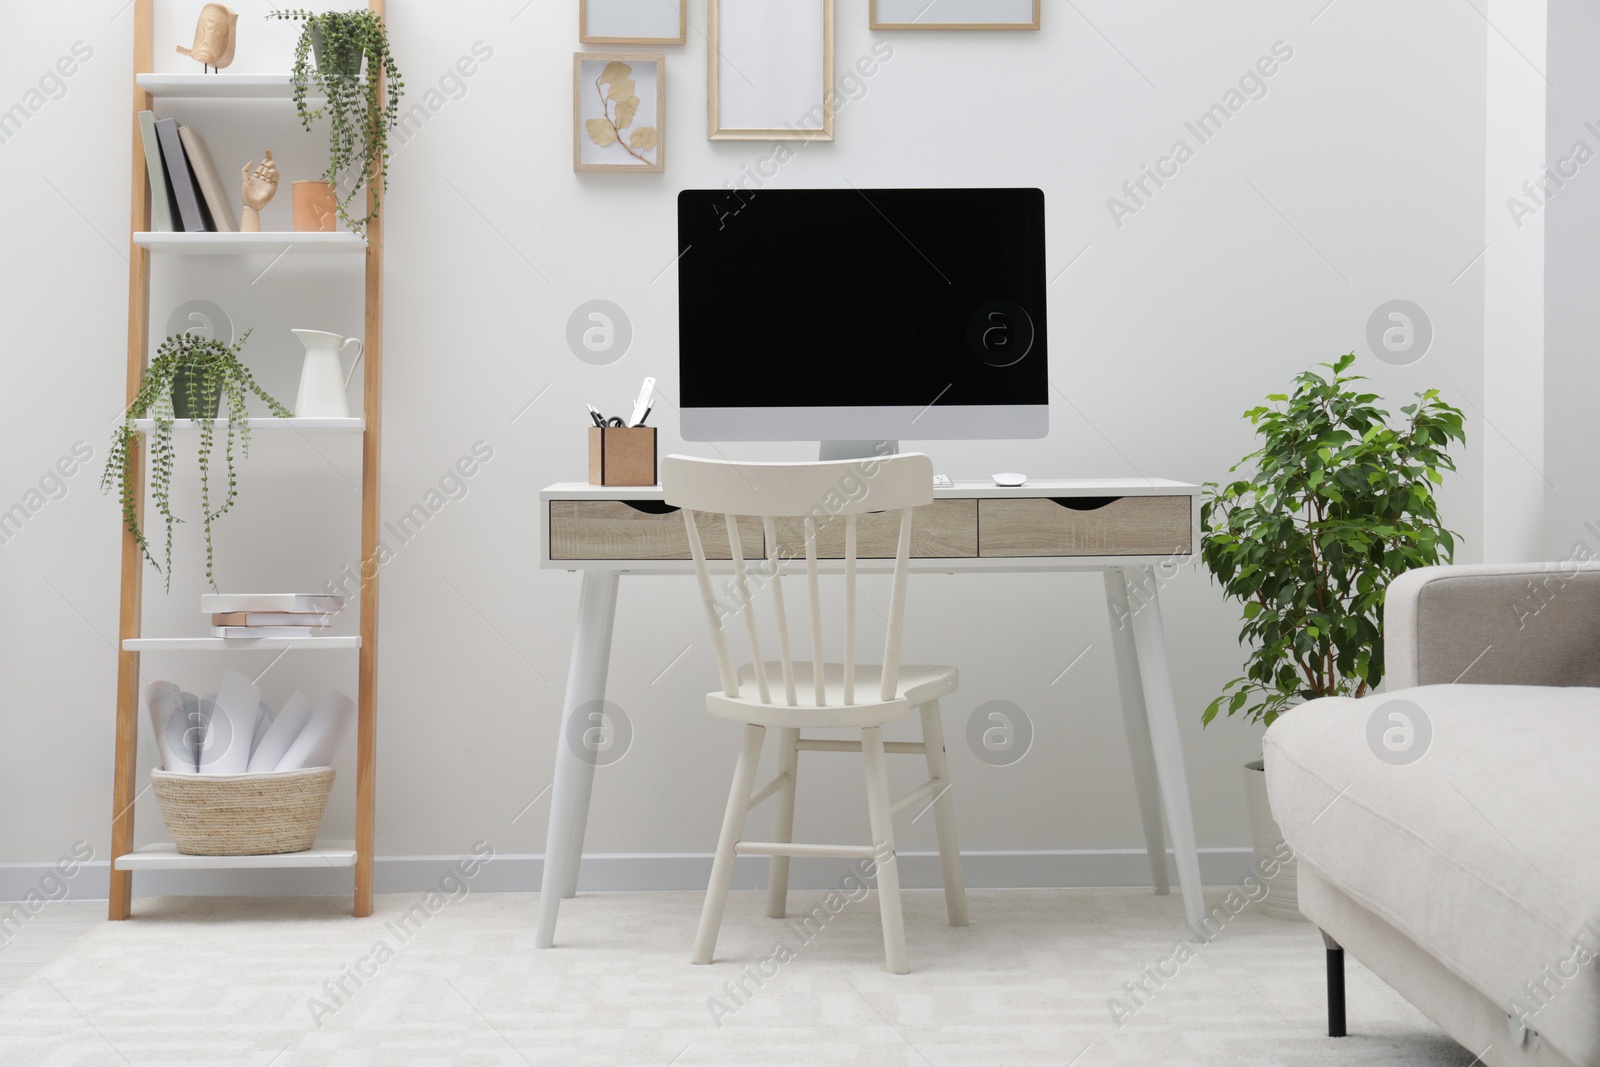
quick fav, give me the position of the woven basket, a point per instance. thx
(243, 814)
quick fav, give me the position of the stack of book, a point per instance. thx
(186, 194)
(270, 614)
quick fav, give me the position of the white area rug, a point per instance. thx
(252, 981)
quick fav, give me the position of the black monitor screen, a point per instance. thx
(847, 297)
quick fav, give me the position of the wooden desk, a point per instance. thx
(1125, 529)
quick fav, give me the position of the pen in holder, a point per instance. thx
(622, 455)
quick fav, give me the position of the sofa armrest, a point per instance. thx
(1494, 624)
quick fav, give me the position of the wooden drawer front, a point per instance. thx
(945, 529)
(614, 529)
(1122, 526)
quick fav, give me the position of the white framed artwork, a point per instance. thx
(955, 14)
(619, 112)
(632, 21)
(771, 70)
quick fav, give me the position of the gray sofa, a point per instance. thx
(1448, 829)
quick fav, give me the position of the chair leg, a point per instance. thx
(1335, 987)
(744, 778)
(944, 815)
(783, 823)
(878, 807)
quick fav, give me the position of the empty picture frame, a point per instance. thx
(771, 70)
(619, 112)
(955, 14)
(632, 21)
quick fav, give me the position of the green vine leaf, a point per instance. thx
(206, 370)
(360, 111)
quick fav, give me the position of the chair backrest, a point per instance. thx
(815, 493)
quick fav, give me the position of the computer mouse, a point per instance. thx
(1010, 479)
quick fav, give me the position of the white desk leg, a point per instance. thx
(1140, 583)
(1143, 756)
(574, 776)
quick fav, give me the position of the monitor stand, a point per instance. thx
(837, 450)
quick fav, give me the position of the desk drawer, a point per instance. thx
(617, 529)
(1085, 526)
(945, 529)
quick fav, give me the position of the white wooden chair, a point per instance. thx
(795, 695)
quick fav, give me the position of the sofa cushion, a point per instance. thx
(1484, 849)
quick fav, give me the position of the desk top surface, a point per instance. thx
(1047, 487)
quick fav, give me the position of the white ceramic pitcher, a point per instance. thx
(322, 381)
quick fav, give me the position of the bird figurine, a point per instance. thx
(215, 34)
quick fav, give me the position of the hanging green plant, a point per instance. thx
(192, 374)
(360, 113)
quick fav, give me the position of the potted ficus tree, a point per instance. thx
(1334, 504)
(190, 376)
(360, 110)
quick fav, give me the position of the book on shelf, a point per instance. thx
(162, 209)
(212, 603)
(191, 210)
(305, 632)
(271, 618)
(205, 174)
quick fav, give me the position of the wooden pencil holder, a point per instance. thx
(622, 455)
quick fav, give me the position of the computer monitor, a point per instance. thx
(858, 315)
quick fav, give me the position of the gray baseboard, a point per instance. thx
(1086, 868)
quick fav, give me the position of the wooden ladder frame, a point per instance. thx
(123, 793)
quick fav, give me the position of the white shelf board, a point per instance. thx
(221, 86)
(246, 244)
(260, 424)
(166, 857)
(238, 644)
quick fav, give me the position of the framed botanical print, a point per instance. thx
(632, 21)
(771, 70)
(619, 112)
(955, 14)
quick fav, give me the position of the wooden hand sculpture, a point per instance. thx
(258, 190)
(215, 34)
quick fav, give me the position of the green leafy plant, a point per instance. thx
(197, 371)
(1337, 503)
(360, 112)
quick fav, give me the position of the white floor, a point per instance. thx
(44, 937)
(258, 981)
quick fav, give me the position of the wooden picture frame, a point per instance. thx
(772, 39)
(629, 21)
(906, 14)
(596, 101)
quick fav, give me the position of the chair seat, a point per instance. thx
(1482, 851)
(918, 685)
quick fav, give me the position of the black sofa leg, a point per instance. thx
(1335, 987)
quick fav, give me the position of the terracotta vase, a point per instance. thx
(315, 208)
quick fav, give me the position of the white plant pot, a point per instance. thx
(1283, 899)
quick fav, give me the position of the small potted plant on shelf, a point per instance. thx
(360, 112)
(1335, 505)
(189, 378)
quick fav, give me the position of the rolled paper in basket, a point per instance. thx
(164, 700)
(281, 734)
(232, 726)
(319, 742)
(262, 723)
(180, 733)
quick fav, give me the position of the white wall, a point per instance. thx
(1571, 216)
(1357, 179)
(1511, 410)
